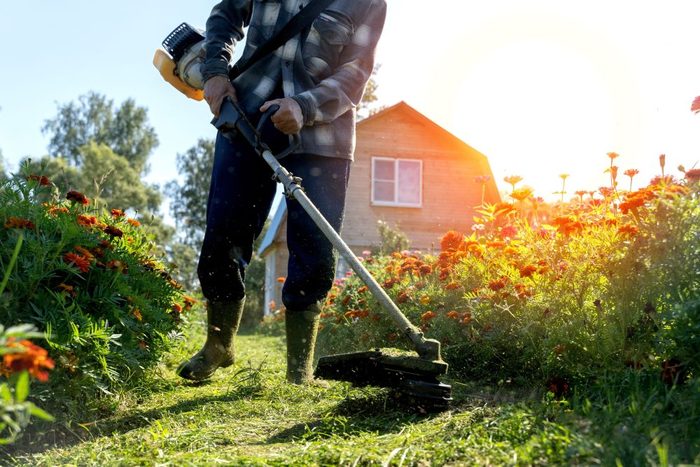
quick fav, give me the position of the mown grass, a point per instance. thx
(248, 415)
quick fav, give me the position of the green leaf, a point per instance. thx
(40, 413)
(5, 393)
(22, 387)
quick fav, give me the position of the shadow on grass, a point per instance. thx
(372, 410)
(246, 384)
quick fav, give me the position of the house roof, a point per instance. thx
(402, 106)
(281, 210)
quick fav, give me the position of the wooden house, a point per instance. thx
(410, 173)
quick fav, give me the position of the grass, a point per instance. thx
(248, 415)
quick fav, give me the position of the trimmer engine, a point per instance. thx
(180, 63)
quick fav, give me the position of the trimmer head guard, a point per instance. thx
(413, 379)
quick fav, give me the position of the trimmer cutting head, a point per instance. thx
(413, 379)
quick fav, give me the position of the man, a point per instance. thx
(317, 78)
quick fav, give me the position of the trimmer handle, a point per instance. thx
(232, 119)
(266, 116)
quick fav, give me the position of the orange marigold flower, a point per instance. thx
(77, 197)
(628, 229)
(29, 357)
(403, 297)
(451, 241)
(498, 284)
(425, 269)
(85, 252)
(42, 179)
(77, 260)
(362, 289)
(427, 316)
(133, 222)
(189, 302)
(452, 286)
(631, 172)
(19, 223)
(55, 210)
(117, 213)
(113, 231)
(177, 308)
(466, 318)
(528, 270)
(425, 299)
(137, 314)
(86, 221)
(281, 280)
(453, 314)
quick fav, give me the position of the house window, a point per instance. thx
(397, 182)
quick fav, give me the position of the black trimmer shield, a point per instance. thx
(413, 379)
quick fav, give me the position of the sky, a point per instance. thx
(541, 87)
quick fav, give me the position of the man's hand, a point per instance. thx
(216, 89)
(288, 119)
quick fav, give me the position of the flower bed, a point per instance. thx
(599, 284)
(91, 281)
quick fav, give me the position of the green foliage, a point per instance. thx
(91, 281)
(94, 118)
(391, 239)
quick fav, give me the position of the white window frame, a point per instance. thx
(396, 203)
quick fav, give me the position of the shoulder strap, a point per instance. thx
(301, 20)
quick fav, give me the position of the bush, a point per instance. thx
(553, 303)
(90, 281)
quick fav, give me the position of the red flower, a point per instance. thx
(451, 241)
(558, 386)
(428, 315)
(42, 179)
(498, 284)
(86, 221)
(113, 231)
(77, 197)
(528, 270)
(628, 229)
(117, 213)
(77, 260)
(19, 223)
(29, 357)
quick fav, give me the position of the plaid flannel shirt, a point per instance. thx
(325, 68)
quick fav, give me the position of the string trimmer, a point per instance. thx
(413, 378)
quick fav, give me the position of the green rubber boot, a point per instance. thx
(302, 328)
(223, 319)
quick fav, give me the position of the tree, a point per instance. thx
(189, 198)
(125, 130)
(368, 106)
(104, 177)
(3, 175)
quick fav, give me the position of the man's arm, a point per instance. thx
(224, 28)
(343, 90)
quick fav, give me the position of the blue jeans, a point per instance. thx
(240, 197)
